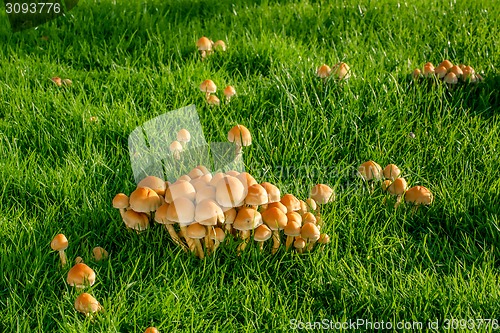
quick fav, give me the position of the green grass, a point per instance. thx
(136, 60)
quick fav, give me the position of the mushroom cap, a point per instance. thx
(246, 179)
(161, 214)
(341, 71)
(240, 135)
(175, 146)
(256, 195)
(292, 228)
(429, 64)
(195, 173)
(446, 64)
(208, 212)
(467, 74)
(310, 231)
(216, 178)
(323, 71)
(144, 200)
(183, 136)
(398, 187)
(291, 202)
(309, 218)
(311, 203)
(247, 219)
(203, 169)
(180, 189)
(322, 194)
(204, 44)
(208, 86)
(386, 184)
(294, 217)
(181, 210)
(440, 71)
(59, 243)
(86, 303)
(204, 193)
(229, 192)
(428, 71)
(278, 205)
(304, 208)
(156, 184)
(184, 178)
(229, 215)
(273, 192)
(451, 78)
(391, 171)
(120, 201)
(220, 45)
(217, 234)
(136, 220)
(419, 195)
(151, 330)
(213, 100)
(457, 70)
(196, 231)
(299, 243)
(99, 253)
(324, 239)
(262, 233)
(80, 276)
(370, 170)
(229, 91)
(416, 73)
(274, 218)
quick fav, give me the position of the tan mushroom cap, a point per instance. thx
(59, 243)
(156, 184)
(247, 219)
(428, 71)
(229, 192)
(310, 232)
(304, 208)
(324, 239)
(294, 217)
(262, 233)
(220, 45)
(161, 214)
(196, 231)
(135, 220)
(240, 135)
(451, 78)
(292, 229)
(322, 194)
(229, 92)
(233, 173)
(416, 73)
(386, 184)
(291, 202)
(256, 195)
(120, 201)
(323, 71)
(370, 170)
(391, 171)
(274, 218)
(229, 215)
(180, 189)
(203, 169)
(309, 218)
(213, 100)
(175, 146)
(195, 173)
(299, 243)
(100, 253)
(278, 205)
(311, 203)
(208, 212)
(217, 234)
(204, 44)
(208, 86)
(398, 187)
(216, 178)
(246, 179)
(181, 210)
(87, 304)
(80, 276)
(183, 136)
(151, 330)
(440, 71)
(273, 192)
(144, 200)
(446, 64)
(456, 70)
(419, 195)
(341, 71)
(204, 193)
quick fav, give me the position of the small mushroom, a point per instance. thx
(261, 234)
(161, 217)
(80, 276)
(230, 192)
(196, 232)
(417, 73)
(87, 304)
(176, 149)
(419, 195)
(451, 79)
(204, 45)
(398, 188)
(391, 171)
(341, 71)
(240, 136)
(57, 80)
(291, 230)
(183, 136)
(208, 87)
(100, 253)
(60, 243)
(276, 220)
(446, 64)
(67, 82)
(440, 72)
(213, 100)
(323, 72)
(229, 92)
(217, 235)
(299, 244)
(219, 45)
(247, 219)
(310, 233)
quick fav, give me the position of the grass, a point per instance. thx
(133, 61)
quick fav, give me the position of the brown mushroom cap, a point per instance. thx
(59, 243)
(196, 231)
(156, 184)
(144, 200)
(294, 217)
(341, 71)
(180, 189)
(208, 86)
(291, 202)
(278, 205)
(230, 192)
(213, 100)
(120, 201)
(256, 195)
(386, 184)
(292, 229)
(229, 91)
(99, 253)
(274, 218)
(80, 276)
(457, 70)
(310, 232)
(299, 243)
(446, 64)
(323, 71)
(161, 214)
(451, 78)
(370, 170)
(309, 218)
(195, 173)
(416, 73)
(428, 71)
(398, 187)
(204, 193)
(135, 220)
(322, 194)
(246, 179)
(262, 233)
(419, 195)
(181, 210)
(175, 146)
(324, 239)
(208, 212)
(391, 171)
(229, 215)
(219, 45)
(204, 44)
(311, 203)
(273, 192)
(151, 330)
(247, 219)
(217, 234)
(440, 71)
(86, 304)
(183, 136)
(240, 135)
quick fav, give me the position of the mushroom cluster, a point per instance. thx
(209, 88)
(60, 82)
(340, 71)
(206, 46)
(395, 185)
(201, 211)
(80, 275)
(448, 73)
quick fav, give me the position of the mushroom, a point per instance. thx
(446, 64)
(261, 234)
(196, 232)
(291, 203)
(208, 87)
(100, 253)
(341, 71)
(144, 200)
(273, 192)
(67, 82)
(229, 192)
(217, 235)
(183, 136)
(60, 243)
(457, 71)
(256, 196)
(161, 217)
(229, 92)
(204, 45)
(391, 171)
(451, 79)
(180, 189)
(247, 219)
(291, 230)
(204, 192)
(136, 221)
(417, 73)
(156, 184)
(276, 220)
(78, 260)
(229, 217)
(80, 276)
(57, 80)
(121, 202)
(295, 217)
(151, 330)
(240, 136)
(440, 72)
(370, 171)
(312, 204)
(182, 210)
(208, 213)
(310, 233)
(213, 100)
(323, 72)
(87, 304)
(279, 205)
(309, 218)
(428, 70)
(176, 149)
(386, 184)
(322, 194)
(299, 244)
(398, 188)
(219, 45)
(419, 195)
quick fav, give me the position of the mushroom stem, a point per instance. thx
(62, 255)
(199, 248)
(175, 237)
(289, 242)
(228, 228)
(190, 242)
(276, 241)
(398, 201)
(207, 95)
(215, 246)
(122, 211)
(310, 245)
(245, 236)
(208, 242)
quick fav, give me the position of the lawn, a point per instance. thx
(131, 61)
